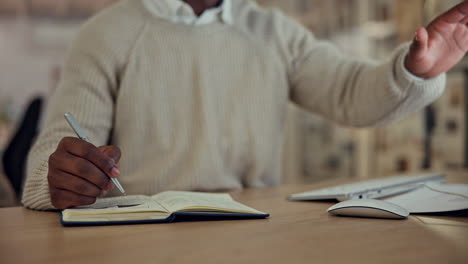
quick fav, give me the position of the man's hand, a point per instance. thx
(79, 172)
(442, 45)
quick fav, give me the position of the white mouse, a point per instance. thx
(369, 208)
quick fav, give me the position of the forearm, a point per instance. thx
(358, 93)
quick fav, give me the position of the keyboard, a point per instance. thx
(370, 189)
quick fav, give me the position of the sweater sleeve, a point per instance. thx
(354, 92)
(87, 89)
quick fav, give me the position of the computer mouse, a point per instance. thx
(369, 208)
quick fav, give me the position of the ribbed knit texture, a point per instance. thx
(203, 107)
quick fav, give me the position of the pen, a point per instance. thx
(80, 133)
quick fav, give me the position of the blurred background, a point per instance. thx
(35, 35)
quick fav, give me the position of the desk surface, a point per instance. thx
(297, 232)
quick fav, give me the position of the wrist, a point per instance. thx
(409, 70)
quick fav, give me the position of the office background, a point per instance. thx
(35, 35)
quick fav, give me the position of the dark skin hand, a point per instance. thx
(79, 172)
(440, 46)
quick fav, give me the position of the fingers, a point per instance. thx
(465, 20)
(89, 152)
(112, 152)
(65, 181)
(79, 167)
(463, 8)
(461, 39)
(62, 199)
(456, 14)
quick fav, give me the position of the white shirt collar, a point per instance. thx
(180, 12)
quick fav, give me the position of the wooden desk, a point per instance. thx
(297, 232)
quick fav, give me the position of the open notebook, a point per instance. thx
(164, 207)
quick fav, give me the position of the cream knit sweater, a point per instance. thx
(203, 107)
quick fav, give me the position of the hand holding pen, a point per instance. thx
(79, 172)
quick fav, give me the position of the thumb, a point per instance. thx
(112, 152)
(420, 44)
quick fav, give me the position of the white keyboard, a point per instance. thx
(377, 188)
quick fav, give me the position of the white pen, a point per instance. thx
(80, 133)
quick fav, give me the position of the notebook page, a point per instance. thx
(120, 204)
(201, 202)
(124, 208)
(150, 206)
(118, 201)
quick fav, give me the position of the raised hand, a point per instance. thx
(440, 46)
(79, 172)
